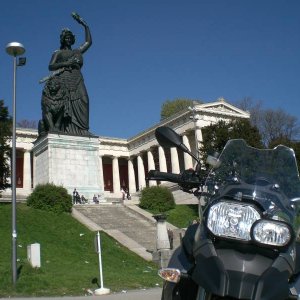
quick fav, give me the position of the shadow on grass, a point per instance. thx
(95, 281)
(193, 207)
(19, 271)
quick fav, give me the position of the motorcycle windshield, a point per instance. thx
(267, 176)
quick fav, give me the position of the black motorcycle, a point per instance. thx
(245, 246)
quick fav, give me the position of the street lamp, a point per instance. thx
(14, 49)
(195, 118)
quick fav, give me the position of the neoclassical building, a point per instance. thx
(125, 162)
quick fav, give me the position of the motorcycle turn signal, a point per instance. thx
(170, 274)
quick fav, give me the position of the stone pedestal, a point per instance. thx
(70, 161)
(163, 253)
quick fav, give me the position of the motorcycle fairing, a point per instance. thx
(231, 273)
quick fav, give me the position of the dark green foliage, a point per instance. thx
(5, 135)
(170, 108)
(216, 136)
(183, 215)
(157, 199)
(295, 145)
(50, 197)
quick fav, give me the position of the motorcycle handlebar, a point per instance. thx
(187, 180)
(163, 176)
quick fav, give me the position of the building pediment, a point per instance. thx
(221, 107)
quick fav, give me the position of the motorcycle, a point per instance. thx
(246, 244)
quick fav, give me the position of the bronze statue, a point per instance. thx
(55, 106)
(65, 102)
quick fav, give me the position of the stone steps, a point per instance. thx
(7, 198)
(130, 225)
(121, 218)
(181, 197)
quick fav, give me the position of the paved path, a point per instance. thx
(149, 294)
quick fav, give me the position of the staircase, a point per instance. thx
(181, 197)
(129, 228)
(121, 218)
(128, 224)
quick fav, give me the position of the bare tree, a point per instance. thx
(273, 125)
(277, 124)
(27, 124)
(254, 108)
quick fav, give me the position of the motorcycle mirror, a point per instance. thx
(168, 138)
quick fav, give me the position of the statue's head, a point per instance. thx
(66, 32)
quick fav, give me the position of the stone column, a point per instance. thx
(101, 174)
(151, 166)
(198, 135)
(27, 171)
(188, 161)
(162, 159)
(174, 160)
(131, 177)
(141, 172)
(116, 176)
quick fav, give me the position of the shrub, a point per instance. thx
(50, 197)
(157, 199)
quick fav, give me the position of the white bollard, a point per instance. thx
(33, 255)
(101, 290)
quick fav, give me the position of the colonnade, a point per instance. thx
(126, 162)
(148, 159)
(124, 170)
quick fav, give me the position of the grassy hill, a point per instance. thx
(69, 263)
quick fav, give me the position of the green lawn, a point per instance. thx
(68, 259)
(182, 215)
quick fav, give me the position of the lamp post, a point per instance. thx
(14, 49)
(194, 117)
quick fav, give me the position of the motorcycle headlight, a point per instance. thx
(272, 233)
(232, 220)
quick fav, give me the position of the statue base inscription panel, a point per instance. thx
(69, 161)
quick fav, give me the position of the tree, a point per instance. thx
(216, 135)
(277, 124)
(273, 124)
(27, 124)
(292, 144)
(5, 135)
(253, 107)
(170, 108)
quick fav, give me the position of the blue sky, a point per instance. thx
(145, 52)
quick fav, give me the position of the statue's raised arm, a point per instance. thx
(88, 36)
(65, 101)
